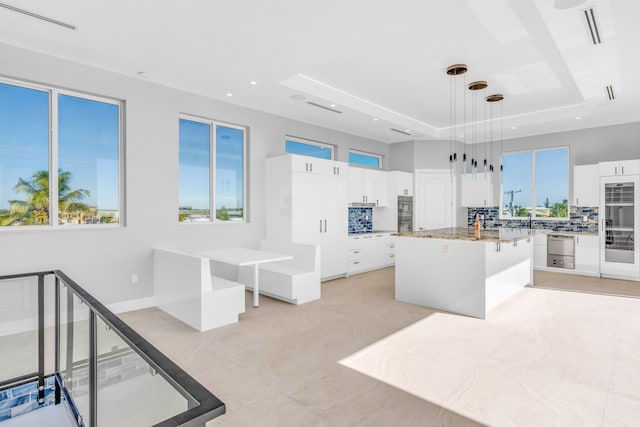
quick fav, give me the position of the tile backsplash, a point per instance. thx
(360, 220)
(574, 223)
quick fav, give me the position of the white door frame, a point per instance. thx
(416, 188)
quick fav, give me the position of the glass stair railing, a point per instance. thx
(60, 346)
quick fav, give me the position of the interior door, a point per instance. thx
(433, 201)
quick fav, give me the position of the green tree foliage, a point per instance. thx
(559, 209)
(35, 208)
(222, 214)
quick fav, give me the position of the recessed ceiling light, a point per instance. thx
(407, 130)
(297, 97)
(578, 118)
(144, 74)
(514, 127)
(461, 136)
(332, 105)
(229, 94)
(254, 83)
(375, 119)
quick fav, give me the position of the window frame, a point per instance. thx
(533, 185)
(305, 141)
(53, 144)
(368, 154)
(213, 124)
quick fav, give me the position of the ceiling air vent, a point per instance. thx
(610, 93)
(324, 108)
(37, 16)
(590, 16)
(401, 131)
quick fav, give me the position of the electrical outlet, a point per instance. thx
(585, 218)
(445, 249)
(134, 278)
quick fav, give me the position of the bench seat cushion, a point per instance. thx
(282, 268)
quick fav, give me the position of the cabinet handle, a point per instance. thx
(325, 225)
(622, 173)
(321, 226)
(615, 168)
(356, 252)
(577, 240)
(338, 170)
(310, 167)
(497, 246)
(578, 201)
(357, 262)
(393, 255)
(377, 202)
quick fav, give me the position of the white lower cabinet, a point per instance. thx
(370, 252)
(540, 251)
(587, 255)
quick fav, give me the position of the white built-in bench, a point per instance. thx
(296, 281)
(185, 287)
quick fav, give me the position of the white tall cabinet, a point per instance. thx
(306, 202)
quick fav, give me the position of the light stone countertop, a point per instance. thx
(468, 233)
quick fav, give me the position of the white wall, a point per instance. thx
(103, 260)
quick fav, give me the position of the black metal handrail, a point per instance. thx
(203, 405)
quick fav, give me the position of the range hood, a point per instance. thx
(362, 205)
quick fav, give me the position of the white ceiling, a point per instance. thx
(372, 59)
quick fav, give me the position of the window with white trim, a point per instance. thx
(535, 182)
(60, 157)
(212, 171)
(361, 158)
(309, 148)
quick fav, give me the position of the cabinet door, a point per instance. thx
(337, 168)
(476, 190)
(379, 190)
(586, 185)
(334, 226)
(609, 168)
(307, 164)
(630, 167)
(356, 194)
(404, 183)
(306, 208)
(587, 254)
(540, 250)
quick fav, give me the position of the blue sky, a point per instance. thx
(195, 170)
(552, 177)
(87, 143)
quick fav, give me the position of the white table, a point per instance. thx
(244, 257)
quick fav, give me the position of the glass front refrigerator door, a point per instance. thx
(619, 222)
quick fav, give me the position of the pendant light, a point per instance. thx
(492, 99)
(454, 71)
(475, 87)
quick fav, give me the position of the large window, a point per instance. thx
(198, 198)
(361, 158)
(68, 176)
(537, 183)
(306, 147)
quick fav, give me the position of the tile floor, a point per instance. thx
(358, 357)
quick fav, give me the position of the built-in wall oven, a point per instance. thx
(561, 251)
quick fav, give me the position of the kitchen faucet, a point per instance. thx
(530, 221)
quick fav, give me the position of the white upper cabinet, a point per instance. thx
(400, 183)
(308, 164)
(622, 167)
(367, 186)
(477, 190)
(586, 185)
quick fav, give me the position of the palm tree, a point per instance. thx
(35, 209)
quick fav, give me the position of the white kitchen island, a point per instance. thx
(461, 271)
